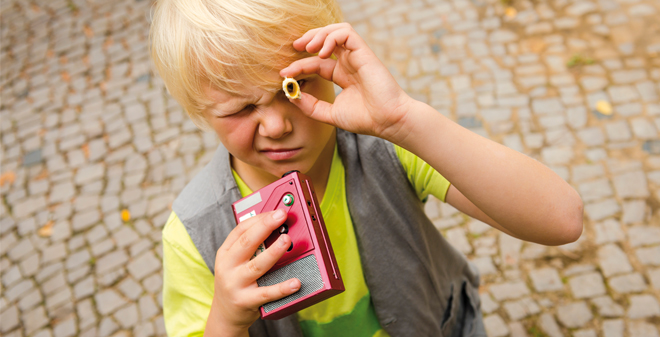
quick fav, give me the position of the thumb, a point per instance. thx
(314, 108)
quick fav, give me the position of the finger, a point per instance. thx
(302, 41)
(313, 42)
(334, 42)
(262, 295)
(248, 242)
(311, 65)
(258, 266)
(314, 108)
(240, 228)
(319, 38)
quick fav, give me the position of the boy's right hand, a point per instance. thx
(237, 296)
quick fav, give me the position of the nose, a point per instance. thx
(274, 120)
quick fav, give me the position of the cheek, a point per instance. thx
(236, 134)
(315, 130)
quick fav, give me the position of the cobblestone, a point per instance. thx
(144, 265)
(549, 325)
(640, 329)
(511, 290)
(628, 283)
(521, 308)
(148, 307)
(631, 184)
(546, 279)
(34, 319)
(642, 306)
(495, 326)
(65, 328)
(105, 135)
(633, 212)
(613, 260)
(574, 315)
(111, 261)
(643, 235)
(107, 301)
(84, 288)
(602, 209)
(127, 317)
(613, 328)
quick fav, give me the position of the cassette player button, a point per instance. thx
(284, 229)
(287, 200)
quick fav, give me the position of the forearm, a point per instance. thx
(522, 195)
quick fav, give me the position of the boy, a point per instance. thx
(224, 61)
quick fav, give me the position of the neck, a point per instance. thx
(320, 172)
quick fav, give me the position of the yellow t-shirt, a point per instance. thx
(188, 283)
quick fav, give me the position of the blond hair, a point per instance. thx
(229, 45)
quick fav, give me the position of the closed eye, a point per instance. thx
(248, 108)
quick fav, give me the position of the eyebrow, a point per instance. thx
(232, 104)
(237, 102)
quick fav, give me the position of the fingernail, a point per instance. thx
(279, 215)
(281, 241)
(294, 285)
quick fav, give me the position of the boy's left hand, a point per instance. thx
(371, 102)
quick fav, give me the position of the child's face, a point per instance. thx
(267, 132)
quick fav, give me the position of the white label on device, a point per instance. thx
(262, 247)
(247, 216)
(248, 202)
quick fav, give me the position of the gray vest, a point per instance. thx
(419, 284)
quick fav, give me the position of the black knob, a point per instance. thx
(286, 174)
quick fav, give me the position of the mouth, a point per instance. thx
(281, 154)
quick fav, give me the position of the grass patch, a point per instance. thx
(579, 60)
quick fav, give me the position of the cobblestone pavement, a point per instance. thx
(88, 131)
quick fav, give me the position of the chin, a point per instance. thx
(281, 170)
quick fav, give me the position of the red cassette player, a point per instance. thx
(310, 258)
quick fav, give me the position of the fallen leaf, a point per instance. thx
(107, 43)
(88, 31)
(42, 175)
(604, 107)
(65, 76)
(46, 230)
(510, 12)
(85, 149)
(7, 177)
(125, 215)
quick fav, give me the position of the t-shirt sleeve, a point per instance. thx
(187, 282)
(424, 178)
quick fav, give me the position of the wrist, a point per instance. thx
(217, 325)
(413, 115)
(397, 122)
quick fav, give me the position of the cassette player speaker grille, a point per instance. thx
(306, 270)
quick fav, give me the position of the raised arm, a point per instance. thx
(493, 183)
